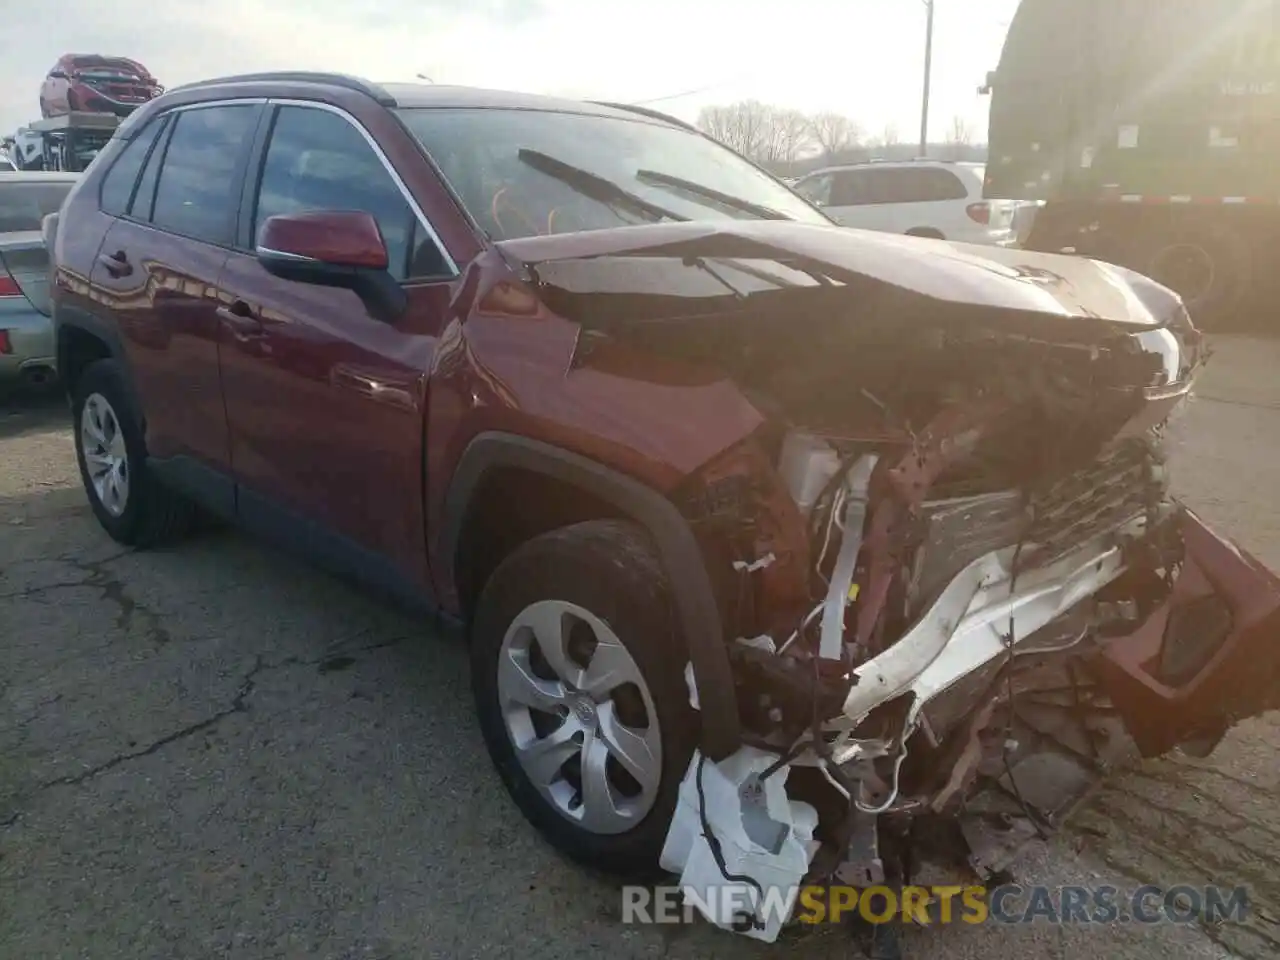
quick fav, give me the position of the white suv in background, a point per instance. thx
(922, 198)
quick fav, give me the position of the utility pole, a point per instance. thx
(928, 66)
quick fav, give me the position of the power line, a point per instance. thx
(688, 93)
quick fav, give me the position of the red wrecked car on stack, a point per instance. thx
(90, 83)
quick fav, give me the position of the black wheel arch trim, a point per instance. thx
(65, 317)
(677, 548)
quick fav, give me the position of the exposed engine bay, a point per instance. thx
(921, 563)
(953, 587)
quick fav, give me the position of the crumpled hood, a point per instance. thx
(704, 268)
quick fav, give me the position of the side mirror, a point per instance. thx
(333, 248)
(58, 74)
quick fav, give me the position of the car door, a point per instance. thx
(326, 403)
(174, 192)
(937, 200)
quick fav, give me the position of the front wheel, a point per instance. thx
(577, 672)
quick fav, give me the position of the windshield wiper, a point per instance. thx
(593, 186)
(710, 193)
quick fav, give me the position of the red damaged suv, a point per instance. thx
(91, 83)
(768, 534)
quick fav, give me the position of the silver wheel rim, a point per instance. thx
(105, 458)
(572, 699)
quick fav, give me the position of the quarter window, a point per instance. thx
(118, 184)
(144, 196)
(198, 191)
(317, 160)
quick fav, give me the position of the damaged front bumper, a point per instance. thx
(1180, 671)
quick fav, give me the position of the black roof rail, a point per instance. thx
(302, 76)
(647, 112)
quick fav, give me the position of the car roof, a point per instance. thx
(882, 164)
(411, 95)
(425, 95)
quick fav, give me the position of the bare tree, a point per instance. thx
(888, 139)
(740, 126)
(834, 133)
(959, 136)
(767, 134)
(788, 133)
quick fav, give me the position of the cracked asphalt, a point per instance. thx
(215, 751)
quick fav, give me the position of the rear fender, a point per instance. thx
(1205, 659)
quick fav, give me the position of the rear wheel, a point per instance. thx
(130, 504)
(577, 672)
(1209, 267)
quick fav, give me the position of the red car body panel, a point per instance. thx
(163, 290)
(326, 405)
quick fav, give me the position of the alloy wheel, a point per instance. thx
(106, 458)
(580, 717)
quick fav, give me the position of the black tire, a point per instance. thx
(929, 233)
(153, 514)
(1217, 271)
(610, 569)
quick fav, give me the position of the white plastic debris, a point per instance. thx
(761, 834)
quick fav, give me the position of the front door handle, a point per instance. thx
(116, 264)
(241, 318)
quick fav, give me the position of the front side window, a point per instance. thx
(317, 160)
(816, 189)
(198, 191)
(852, 188)
(524, 173)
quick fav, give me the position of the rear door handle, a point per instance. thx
(241, 317)
(116, 264)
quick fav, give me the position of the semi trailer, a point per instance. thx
(1147, 132)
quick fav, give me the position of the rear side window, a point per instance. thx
(317, 160)
(896, 185)
(198, 191)
(935, 183)
(118, 184)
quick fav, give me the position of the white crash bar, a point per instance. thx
(968, 625)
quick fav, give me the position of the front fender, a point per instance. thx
(678, 550)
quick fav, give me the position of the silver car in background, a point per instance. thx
(27, 354)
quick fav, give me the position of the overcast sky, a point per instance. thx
(860, 57)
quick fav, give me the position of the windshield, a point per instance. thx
(522, 173)
(24, 205)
